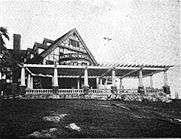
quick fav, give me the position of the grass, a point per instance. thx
(18, 118)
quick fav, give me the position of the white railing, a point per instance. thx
(91, 91)
(70, 91)
(38, 91)
(152, 91)
(79, 91)
(97, 91)
(128, 91)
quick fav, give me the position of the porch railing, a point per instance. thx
(39, 91)
(70, 91)
(128, 91)
(153, 91)
(91, 91)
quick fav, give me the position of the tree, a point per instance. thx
(5, 58)
(3, 33)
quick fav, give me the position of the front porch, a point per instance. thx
(101, 81)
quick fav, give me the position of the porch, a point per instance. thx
(91, 81)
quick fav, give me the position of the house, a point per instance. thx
(67, 63)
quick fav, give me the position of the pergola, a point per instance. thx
(99, 71)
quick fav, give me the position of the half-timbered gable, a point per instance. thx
(68, 50)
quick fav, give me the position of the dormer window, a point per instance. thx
(73, 43)
(40, 50)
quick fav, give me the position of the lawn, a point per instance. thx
(21, 118)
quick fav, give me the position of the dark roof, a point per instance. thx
(45, 41)
(39, 45)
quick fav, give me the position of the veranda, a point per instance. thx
(99, 80)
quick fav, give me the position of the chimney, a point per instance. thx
(16, 42)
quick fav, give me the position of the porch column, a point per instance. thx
(22, 84)
(113, 77)
(29, 81)
(140, 87)
(22, 77)
(55, 79)
(121, 83)
(166, 87)
(100, 81)
(97, 82)
(86, 83)
(78, 83)
(0, 75)
(140, 78)
(165, 79)
(151, 81)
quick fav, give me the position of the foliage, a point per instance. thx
(5, 57)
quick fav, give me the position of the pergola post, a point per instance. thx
(165, 79)
(114, 87)
(166, 87)
(100, 81)
(86, 82)
(140, 87)
(151, 81)
(121, 83)
(113, 77)
(97, 82)
(78, 83)
(22, 84)
(55, 80)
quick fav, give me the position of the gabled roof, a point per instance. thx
(39, 45)
(54, 45)
(65, 36)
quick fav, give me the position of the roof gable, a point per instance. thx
(59, 41)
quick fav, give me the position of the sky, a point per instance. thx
(140, 31)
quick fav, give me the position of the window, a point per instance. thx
(48, 43)
(40, 50)
(49, 62)
(73, 43)
(84, 63)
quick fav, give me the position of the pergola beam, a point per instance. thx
(90, 67)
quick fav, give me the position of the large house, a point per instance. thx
(67, 63)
